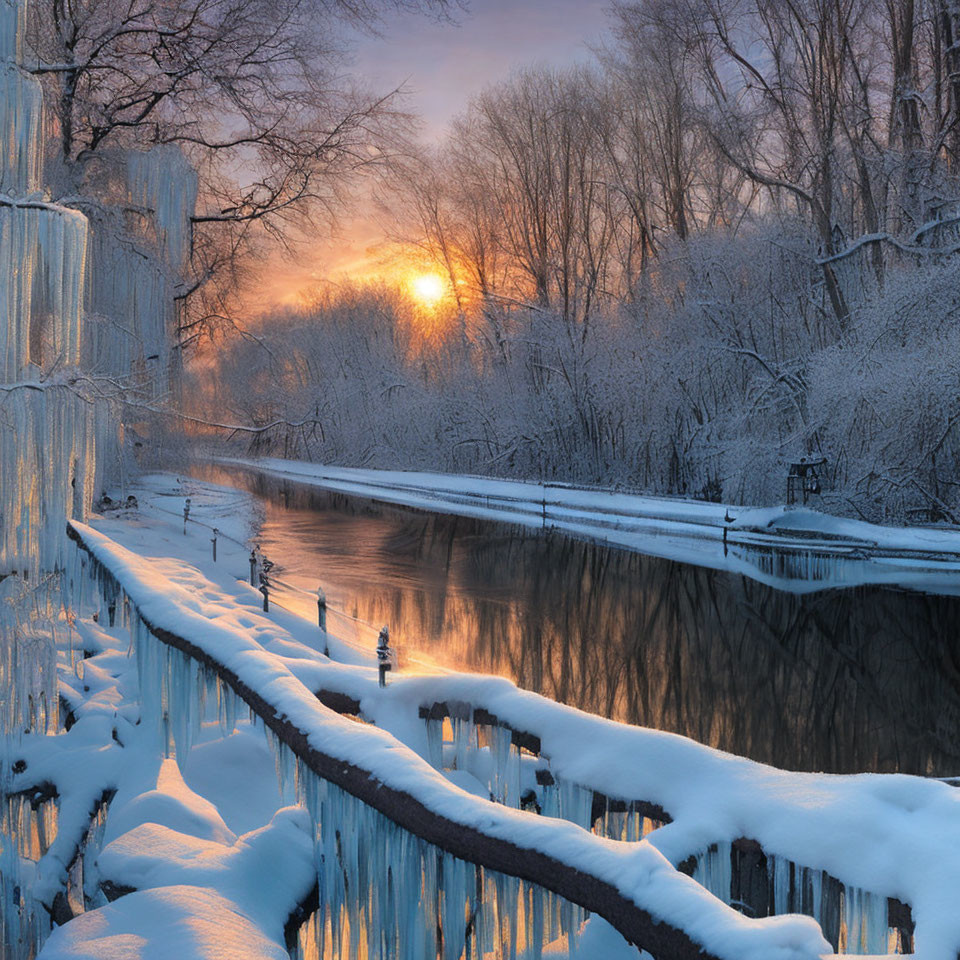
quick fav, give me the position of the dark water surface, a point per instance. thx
(843, 680)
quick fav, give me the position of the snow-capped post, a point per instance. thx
(727, 519)
(253, 567)
(186, 515)
(213, 540)
(265, 590)
(384, 654)
(322, 609)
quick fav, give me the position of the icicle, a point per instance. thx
(464, 736)
(287, 773)
(42, 432)
(851, 920)
(11, 901)
(12, 25)
(816, 895)
(550, 800)
(455, 896)
(131, 307)
(163, 182)
(876, 924)
(386, 892)
(576, 804)
(781, 883)
(21, 119)
(43, 252)
(865, 921)
(91, 850)
(435, 743)
(500, 750)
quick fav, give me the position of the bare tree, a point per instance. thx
(730, 243)
(777, 76)
(250, 90)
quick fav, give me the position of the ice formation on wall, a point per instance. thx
(380, 887)
(139, 246)
(97, 292)
(27, 667)
(20, 120)
(21, 108)
(48, 454)
(56, 431)
(162, 183)
(47, 458)
(854, 919)
(43, 253)
(131, 307)
(46, 428)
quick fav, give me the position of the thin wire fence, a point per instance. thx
(364, 633)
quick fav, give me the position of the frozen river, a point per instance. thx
(842, 680)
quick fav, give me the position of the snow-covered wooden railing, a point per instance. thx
(856, 852)
(738, 871)
(409, 809)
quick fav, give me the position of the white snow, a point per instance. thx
(798, 550)
(182, 922)
(185, 602)
(266, 872)
(156, 793)
(187, 825)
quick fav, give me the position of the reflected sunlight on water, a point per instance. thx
(842, 680)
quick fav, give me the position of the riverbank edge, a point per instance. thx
(753, 541)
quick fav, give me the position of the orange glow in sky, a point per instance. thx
(440, 63)
(427, 288)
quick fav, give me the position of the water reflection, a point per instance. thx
(858, 679)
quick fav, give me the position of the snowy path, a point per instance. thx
(882, 833)
(797, 549)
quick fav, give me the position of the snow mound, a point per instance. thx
(188, 923)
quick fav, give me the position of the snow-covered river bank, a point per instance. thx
(839, 679)
(793, 549)
(205, 853)
(175, 836)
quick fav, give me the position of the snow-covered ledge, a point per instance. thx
(632, 885)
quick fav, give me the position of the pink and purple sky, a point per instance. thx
(444, 64)
(441, 65)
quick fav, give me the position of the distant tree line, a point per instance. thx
(729, 242)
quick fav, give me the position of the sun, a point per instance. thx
(428, 288)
